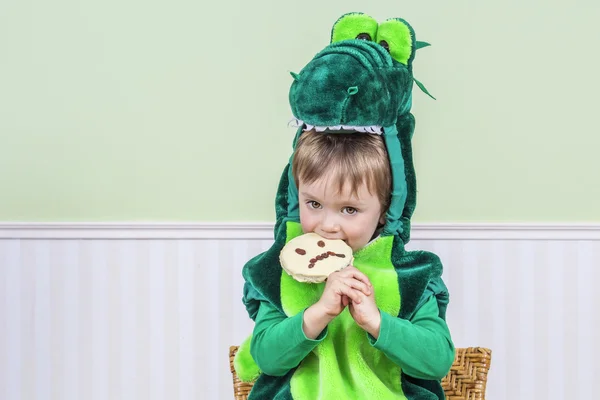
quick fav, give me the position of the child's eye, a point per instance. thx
(349, 210)
(314, 204)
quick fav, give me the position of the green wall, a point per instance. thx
(177, 110)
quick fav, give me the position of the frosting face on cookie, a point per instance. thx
(311, 258)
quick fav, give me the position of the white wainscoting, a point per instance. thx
(148, 311)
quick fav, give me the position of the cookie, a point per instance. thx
(311, 258)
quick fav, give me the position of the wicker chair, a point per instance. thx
(465, 381)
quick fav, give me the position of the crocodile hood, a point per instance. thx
(361, 82)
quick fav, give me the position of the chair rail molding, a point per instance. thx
(264, 230)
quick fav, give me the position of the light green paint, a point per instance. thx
(177, 111)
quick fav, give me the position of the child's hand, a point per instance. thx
(366, 313)
(347, 284)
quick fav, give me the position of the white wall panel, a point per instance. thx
(130, 318)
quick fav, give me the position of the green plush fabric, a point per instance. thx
(352, 83)
(272, 387)
(351, 25)
(243, 363)
(342, 365)
(342, 353)
(400, 39)
(393, 223)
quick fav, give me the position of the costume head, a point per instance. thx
(361, 82)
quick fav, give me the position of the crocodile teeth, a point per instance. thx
(375, 129)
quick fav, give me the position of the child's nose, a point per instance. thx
(330, 223)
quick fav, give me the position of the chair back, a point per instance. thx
(467, 378)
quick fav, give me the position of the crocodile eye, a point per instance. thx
(385, 45)
(397, 37)
(354, 26)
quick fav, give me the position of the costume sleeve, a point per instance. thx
(278, 342)
(421, 346)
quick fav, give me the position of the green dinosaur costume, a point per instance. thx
(361, 82)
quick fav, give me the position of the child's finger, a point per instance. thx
(352, 272)
(345, 300)
(358, 285)
(352, 294)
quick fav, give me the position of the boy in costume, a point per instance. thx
(375, 329)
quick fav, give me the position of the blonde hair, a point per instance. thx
(351, 158)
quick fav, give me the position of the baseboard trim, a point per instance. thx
(264, 231)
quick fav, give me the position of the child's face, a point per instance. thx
(333, 215)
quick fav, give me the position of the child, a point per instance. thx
(375, 329)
